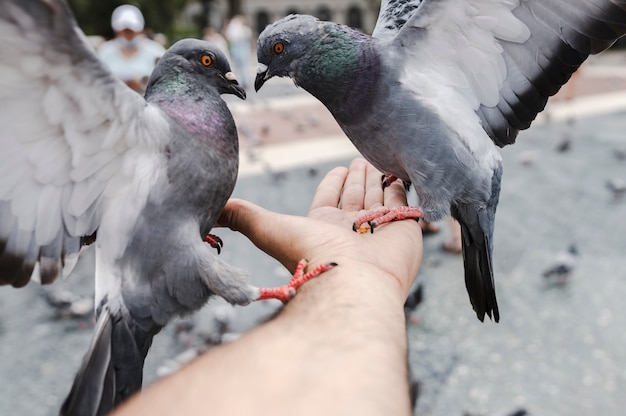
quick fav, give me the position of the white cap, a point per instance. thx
(127, 16)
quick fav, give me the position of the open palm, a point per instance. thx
(325, 234)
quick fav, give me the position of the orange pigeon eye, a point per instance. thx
(279, 48)
(206, 60)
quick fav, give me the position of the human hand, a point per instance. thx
(344, 334)
(325, 234)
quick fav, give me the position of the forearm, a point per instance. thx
(338, 348)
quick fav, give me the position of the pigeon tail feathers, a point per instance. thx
(477, 225)
(477, 261)
(112, 369)
(94, 378)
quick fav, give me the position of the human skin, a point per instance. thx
(339, 346)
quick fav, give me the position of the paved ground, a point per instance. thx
(556, 351)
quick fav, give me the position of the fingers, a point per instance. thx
(328, 193)
(240, 215)
(373, 189)
(395, 195)
(271, 232)
(353, 195)
(357, 188)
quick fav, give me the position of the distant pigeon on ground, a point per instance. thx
(84, 157)
(565, 145)
(617, 188)
(437, 89)
(564, 264)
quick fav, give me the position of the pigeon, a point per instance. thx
(564, 264)
(436, 89)
(87, 160)
(565, 145)
(617, 187)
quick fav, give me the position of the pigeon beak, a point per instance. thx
(234, 87)
(261, 76)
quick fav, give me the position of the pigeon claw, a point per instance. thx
(287, 292)
(362, 228)
(215, 242)
(384, 215)
(387, 180)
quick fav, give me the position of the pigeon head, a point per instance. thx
(198, 59)
(305, 48)
(335, 63)
(283, 47)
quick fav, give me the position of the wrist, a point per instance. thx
(356, 278)
(353, 288)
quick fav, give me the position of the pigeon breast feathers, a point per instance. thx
(66, 126)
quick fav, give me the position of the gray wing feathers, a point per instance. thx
(393, 15)
(64, 128)
(563, 34)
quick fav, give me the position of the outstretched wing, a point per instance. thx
(503, 58)
(66, 125)
(393, 15)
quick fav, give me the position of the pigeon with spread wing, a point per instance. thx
(85, 159)
(436, 89)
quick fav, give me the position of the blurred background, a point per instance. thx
(559, 250)
(183, 18)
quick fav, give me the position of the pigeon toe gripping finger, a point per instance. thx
(288, 291)
(387, 180)
(215, 242)
(384, 215)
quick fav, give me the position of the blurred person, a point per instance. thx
(339, 347)
(131, 56)
(239, 36)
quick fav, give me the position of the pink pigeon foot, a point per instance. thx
(288, 291)
(388, 180)
(384, 215)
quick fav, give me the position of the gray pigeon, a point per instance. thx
(440, 84)
(617, 187)
(564, 264)
(82, 153)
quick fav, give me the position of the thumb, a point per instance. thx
(267, 230)
(240, 215)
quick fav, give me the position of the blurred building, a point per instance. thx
(360, 14)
